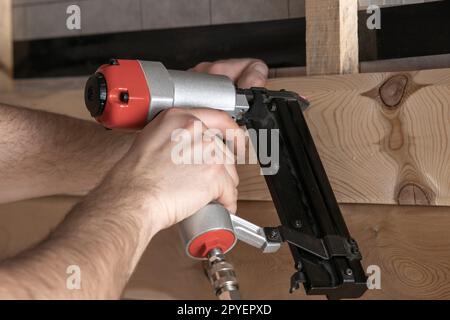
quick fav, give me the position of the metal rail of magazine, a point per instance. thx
(327, 259)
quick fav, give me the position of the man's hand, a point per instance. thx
(179, 190)
(245, 73)
(176, 191)
(106, 233)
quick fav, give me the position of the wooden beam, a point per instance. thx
(439, 61)
(383, 138)
(331, 36)
(410, 244)
(6, 45)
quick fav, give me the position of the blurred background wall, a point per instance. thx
(42, 19)
(181, 33)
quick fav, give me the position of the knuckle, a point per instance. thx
(190, 123)
(216, 170)
(202, 65)
(222, 113)
(235, 193)
(256, 79)
(217, 68)
(208, 143)
(171, 112)
(237, 180)
(257, 61)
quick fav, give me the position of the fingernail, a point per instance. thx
(261, 68)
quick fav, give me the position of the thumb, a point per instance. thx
(255, 75)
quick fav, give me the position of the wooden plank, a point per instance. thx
(383, 138)
(331, 36)
(439, 61)
(373, 152)
(414, 261)
(409, 243)
(6, 48)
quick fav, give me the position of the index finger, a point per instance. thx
(215, 119)
(232, 68)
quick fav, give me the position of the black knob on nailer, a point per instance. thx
(95, 94)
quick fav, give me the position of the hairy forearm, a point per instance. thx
(44, 154)
(104, 236)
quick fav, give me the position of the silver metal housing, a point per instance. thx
(253, 235)
(209, 218)
(185, 89)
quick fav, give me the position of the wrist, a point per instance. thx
(131, 197)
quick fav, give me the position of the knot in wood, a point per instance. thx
(393, 90)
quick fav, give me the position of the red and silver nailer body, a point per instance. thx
(128, 94)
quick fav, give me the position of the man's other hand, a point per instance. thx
(245, 73)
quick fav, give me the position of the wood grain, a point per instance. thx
(331, 37)
(409, 243)
(384, 138)
(6, 45)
